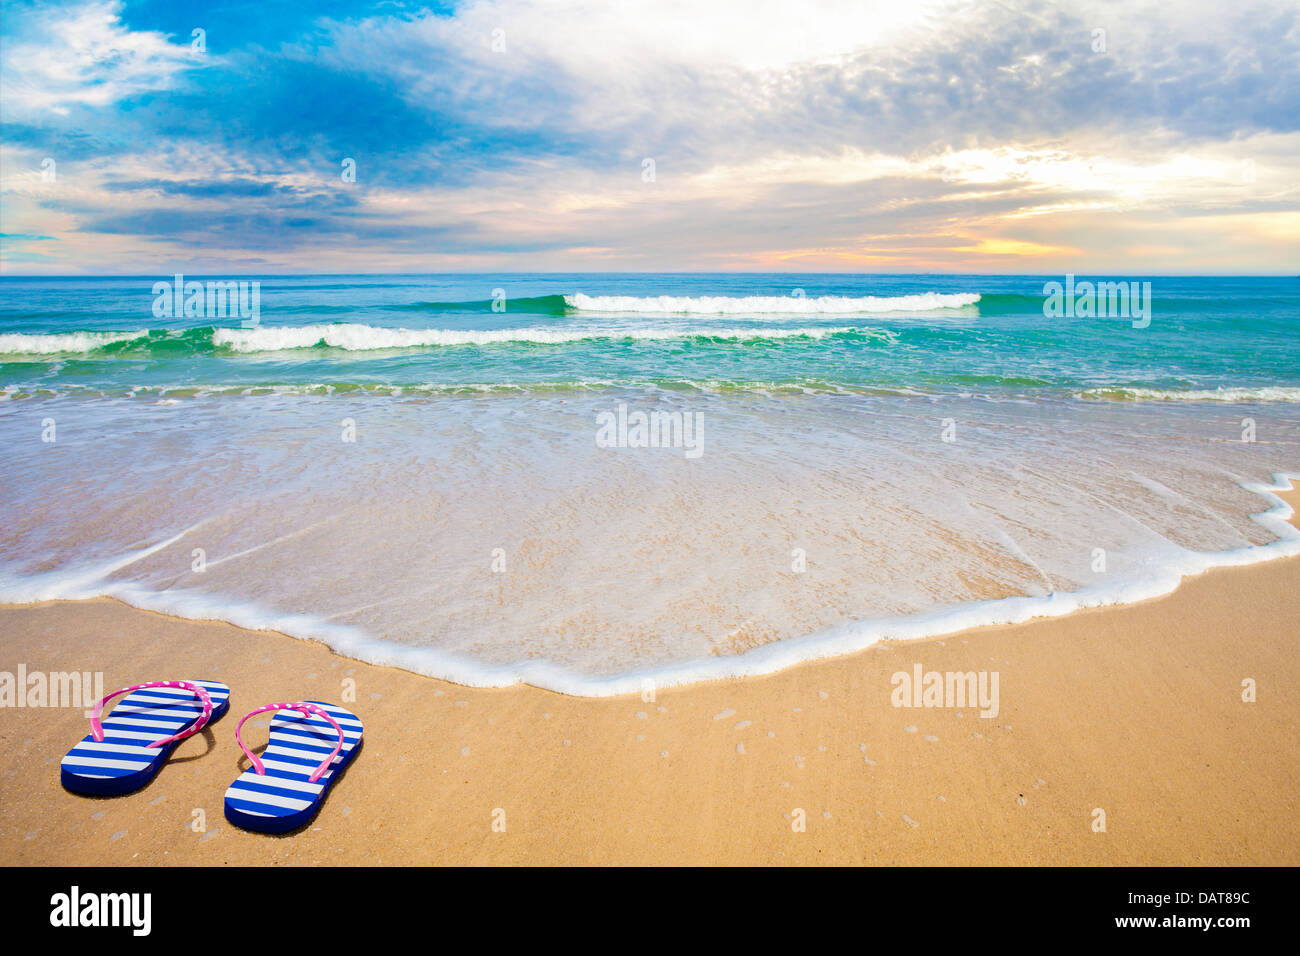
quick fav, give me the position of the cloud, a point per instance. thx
(242, 187)
(61, 58)
(660, 76)
(512, 133)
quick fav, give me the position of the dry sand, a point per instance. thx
(1136, 711)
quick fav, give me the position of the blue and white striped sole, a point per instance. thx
(122, 762)
(284, 799)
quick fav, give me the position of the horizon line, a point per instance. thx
(732, 272)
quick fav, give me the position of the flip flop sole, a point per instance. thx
(284, 799)
(121, 763)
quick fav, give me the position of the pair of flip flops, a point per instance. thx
(311, 744)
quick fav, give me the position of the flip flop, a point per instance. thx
(307, 752)
(124, 752)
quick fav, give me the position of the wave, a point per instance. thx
(364, 338)
(62, 343)
(1268, 393)
(930, 388)
(361, 338)
(533, 305)
(705, 305)
(769, 305)
(1011, 303)
(170, 394)
(1162, 575)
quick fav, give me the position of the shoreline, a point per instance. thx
(852, 637)
(1135, 710)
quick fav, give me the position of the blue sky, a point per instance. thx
(516, 134)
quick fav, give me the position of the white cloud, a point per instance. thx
(591, 37)
(593, 65)
(84, 56)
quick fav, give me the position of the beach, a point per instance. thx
(679, 569)
(1133, 710)
(670, 433)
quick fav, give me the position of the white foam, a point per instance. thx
(357, 338)
(769, 305)
(30, 343)
(1221, 394)
(1163, 575)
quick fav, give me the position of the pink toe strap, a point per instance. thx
(306, 709)
(97, 728)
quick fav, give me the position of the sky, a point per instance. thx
(140, 137)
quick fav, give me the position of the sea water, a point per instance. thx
(412, 469)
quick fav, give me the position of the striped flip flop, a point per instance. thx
(311, 744)
(128, 748)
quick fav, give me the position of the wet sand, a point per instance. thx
(1136, 711)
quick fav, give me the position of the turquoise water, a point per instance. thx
(392, 466)
(1204, 333)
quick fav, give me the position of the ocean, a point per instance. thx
(588, 482)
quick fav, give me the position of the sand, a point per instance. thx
(1136, 711)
